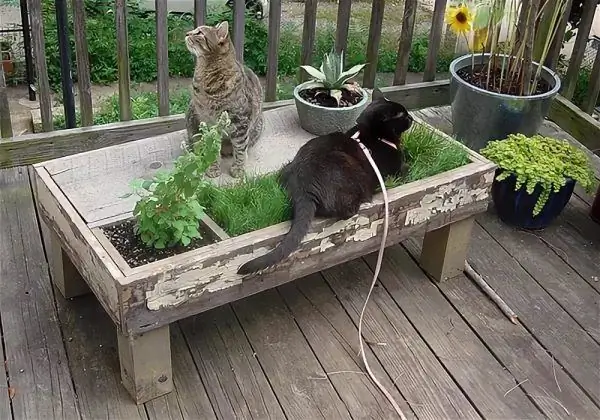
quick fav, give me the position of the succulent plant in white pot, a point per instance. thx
(330, 101)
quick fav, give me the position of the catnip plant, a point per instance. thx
(168, 212)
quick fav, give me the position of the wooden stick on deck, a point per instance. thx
(41, 66)
(473, 275)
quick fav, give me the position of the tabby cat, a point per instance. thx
(330, 175)
(221, 83)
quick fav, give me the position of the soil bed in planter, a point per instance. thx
(478, 78)
(75, 201)
(321, 97)
(136, 253)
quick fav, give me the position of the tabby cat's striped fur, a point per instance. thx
(220, 84)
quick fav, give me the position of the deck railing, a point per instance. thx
(166, 122)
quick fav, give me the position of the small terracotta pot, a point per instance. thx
(595, 212)
(8, 67)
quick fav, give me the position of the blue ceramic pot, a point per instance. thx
(516, 207)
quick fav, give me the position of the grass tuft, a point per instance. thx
(258, 202)
(253, 203)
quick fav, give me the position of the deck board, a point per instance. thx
(287, 359)
(571, 291)
(553, 327)
(427, 387)
(35, 358)
(334, 340)
(455, 345)
(449, 352)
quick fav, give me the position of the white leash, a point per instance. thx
(377, 269)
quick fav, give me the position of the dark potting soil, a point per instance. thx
(478, 78)
(320, 96)
(136, 253)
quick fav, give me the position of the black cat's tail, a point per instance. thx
(304, 212)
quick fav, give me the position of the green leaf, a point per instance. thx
(185, 240)
(313, 72)
(350, 73)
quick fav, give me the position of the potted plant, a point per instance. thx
(502, 90)
(329, 102)
(535, 178)
(7, 60)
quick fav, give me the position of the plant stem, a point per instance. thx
(527, 87)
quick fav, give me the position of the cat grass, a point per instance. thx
(258, 202)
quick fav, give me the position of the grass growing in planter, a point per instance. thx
(258, 202)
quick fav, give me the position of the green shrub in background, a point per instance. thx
(100, 25)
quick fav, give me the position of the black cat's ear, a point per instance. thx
(377, 94)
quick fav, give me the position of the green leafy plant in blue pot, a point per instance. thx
(535, 178)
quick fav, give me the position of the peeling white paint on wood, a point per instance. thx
(447, 198)
(366, 233)
(170, 292)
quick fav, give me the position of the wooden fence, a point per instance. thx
(14, 154)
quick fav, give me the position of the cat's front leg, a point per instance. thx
(240, 155)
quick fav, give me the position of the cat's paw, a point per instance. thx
(214, 171)
(237, 171)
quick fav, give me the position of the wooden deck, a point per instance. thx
(444, 350)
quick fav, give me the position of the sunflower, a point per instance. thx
(459, 18)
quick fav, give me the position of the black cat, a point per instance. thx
(330, 175)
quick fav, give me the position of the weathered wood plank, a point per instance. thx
(35, 148)
(5, 122)
(554, 275)
(77, 240)
(405, 44)
(556, 330)
(583, 33)
(428, 389)
(239, 21)
(287, 359)
(375, 27)
(342, 25)
(273, 49)
(176, 287)
(237, 386)
(332, 337)
(92, 348)
(574, 237)
(534, 370)
(84, 86)
(457, 347)
(123, 60)
(594, 87)
(162, 58)
(199, 12)
(64, 275)
(575, 122)
(35, 358)
(435, 40)
(308, 35)
(41, 67)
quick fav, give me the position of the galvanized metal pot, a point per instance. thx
(320, 120)
(479, 116)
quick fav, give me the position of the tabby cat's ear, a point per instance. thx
(222, 30)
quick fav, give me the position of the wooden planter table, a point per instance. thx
(77, 195)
